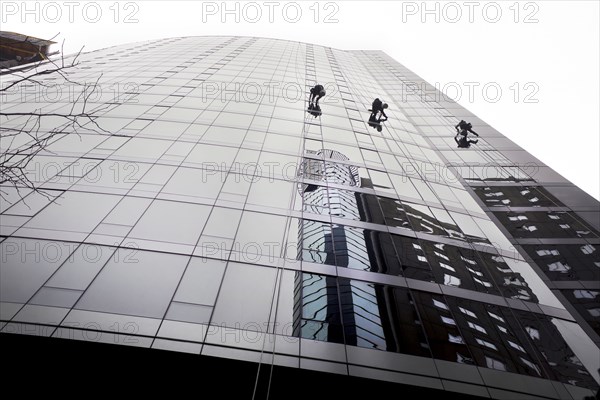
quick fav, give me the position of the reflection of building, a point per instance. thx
(330, 244)
(335, 245)
(377, 251)
(453, 329)
(179, 235)
(317, 309)
(17, 49)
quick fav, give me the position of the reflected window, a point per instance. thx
(494, 364)
(455, 339)
(532, 332)
(432, 220)
(451, 280)
(531, 365)
(537, 224)
(483, 283)
(461, 359)
(446, 266)
(588, 249)
(516, 196)
(444, 337)
(547, 253)
(476, 327)
(558, 267)
(566, 262)
(467, 312)
(439, 304)
(585, 294)
(486, 343)
(516, 346)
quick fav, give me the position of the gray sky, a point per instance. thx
(543, 56)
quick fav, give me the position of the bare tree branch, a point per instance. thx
(23, 141)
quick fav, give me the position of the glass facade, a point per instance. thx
(212, 215)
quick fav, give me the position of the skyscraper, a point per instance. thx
(203, 211)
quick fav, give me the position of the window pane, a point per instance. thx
(141, 285)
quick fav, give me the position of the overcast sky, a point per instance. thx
(542, 55)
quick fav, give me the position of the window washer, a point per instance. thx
(376, 122)
(464, 128)
(463, 142)
(377, 107)
(316, 93)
